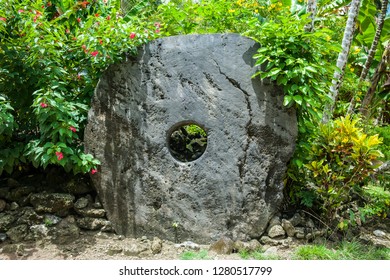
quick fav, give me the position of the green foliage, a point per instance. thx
(339, 161)
(191, 255)
(346, 250)
(51, 57)
(210, 16)
(377, 201)
(384, 133)
(296, 60)
(256, 255)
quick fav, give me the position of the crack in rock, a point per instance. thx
(242, 161)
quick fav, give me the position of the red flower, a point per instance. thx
(3, 18)
(157, 31)
(84, 4)
(108, 17)
(95, 53)
(96, 15)
(101, 42)
(73, 129)
(93, 171)
(83, 47)
(132, 35)
(157, 24)
(67, 31)
(43, 105)
(78, 20)
(59, 155)
(20, 11)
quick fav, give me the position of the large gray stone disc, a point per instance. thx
(235, 187)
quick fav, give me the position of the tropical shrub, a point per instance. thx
(339, 162)
(51, 56)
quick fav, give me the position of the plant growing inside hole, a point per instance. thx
(188, 142)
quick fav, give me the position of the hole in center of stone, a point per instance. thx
(187, 142)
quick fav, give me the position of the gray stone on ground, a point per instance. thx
(276, 231)
(156, 245)
(223, 246)
(56, 203)
(251, 246)
(81, 203)
(3, 204)
(93, 223)
(297, 220)
(6, 221)
(17, 233)
(288, 228)
(189, 245)
(236, 186)
(379, 233)
(91, 212)
(66, 231)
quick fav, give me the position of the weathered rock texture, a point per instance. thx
(235, 187)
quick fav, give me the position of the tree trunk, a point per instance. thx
(374, 45)
(372, 50)
(312, 10)
(342, 60)
(379, 72)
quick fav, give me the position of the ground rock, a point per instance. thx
(17, 233)
(65, 231)
(379, 233)
(3, 204)
(251, 246)
(93, 223)
(224, 246)
(156, 246)
(189, 245)
(6, 221)
(29, 216)
(81, 203)
(91, 212)
(236, 186)
(56, 203)
(288, 228)
(39, 231)
(276, 231)
(20, 194)
(296, 220)
(77, 186)
(271, 251)
(135, 249)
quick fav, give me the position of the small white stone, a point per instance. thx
(379, 233)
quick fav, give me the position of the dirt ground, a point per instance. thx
(109, 246)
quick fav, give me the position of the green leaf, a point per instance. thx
(298, 99)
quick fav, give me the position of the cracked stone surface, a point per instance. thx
(235, 187)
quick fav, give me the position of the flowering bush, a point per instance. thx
(51, 56)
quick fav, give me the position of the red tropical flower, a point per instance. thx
(84, 4)
(157, 24)
(157, 31)
(3, 18)
(20, 11)
(78, 20)
(108, 17)
(93, 171)
(43, 105)
(59, 155)
(95, 53)
(132, 35)
(73, 129)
